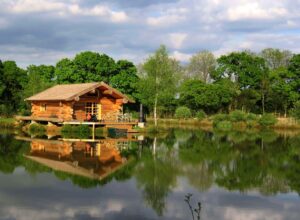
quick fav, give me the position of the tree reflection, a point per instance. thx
(156, 175)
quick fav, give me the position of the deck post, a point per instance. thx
(93, 131)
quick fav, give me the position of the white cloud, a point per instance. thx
(183, 57)
(177, 39)
(165, 20)
(253, 10)
(27, 6)
(64, 8)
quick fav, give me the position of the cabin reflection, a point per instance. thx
(96, 159)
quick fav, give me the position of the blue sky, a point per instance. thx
(44, 31)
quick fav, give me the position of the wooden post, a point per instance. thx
(93, 131)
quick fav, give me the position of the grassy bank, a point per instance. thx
(8, 123)
(227, 121)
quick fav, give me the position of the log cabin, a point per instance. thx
(95, 160)
(71, 103)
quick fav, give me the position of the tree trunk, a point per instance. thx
(155, 111)
(263, 102)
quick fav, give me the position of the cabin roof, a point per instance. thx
(68, 92)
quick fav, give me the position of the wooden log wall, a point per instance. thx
(75, 110)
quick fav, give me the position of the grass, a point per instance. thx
(7, 122)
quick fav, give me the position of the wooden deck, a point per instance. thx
(128, 125)
(74, 122)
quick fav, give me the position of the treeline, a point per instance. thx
(268, 81)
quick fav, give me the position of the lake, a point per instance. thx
(220, 175)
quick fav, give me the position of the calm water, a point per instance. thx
(237, 175)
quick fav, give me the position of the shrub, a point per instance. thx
(267, 120)
(224, 125)
(37, 129)
(220, 117)
(251, 117)
(67, 129)
(200, 115)
(183, 112)
(6, 110)
(7, 122)
(80, 131)
(251, 123)
(295, 112)
(237, 116)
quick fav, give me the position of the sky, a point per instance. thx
(45, 31)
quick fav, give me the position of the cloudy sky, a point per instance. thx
(44, 31)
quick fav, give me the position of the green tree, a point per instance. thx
(158, 83)
(211, 97)
(86, 67)
(39, 78)
(14, 80)
(283, 88)
(126, 80)
(294, 68)
(246, 70)
(201, 65)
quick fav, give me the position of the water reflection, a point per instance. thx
(236, 174)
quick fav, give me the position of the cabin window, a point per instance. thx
(91, 108)
(43, 107)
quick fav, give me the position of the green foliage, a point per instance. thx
(224, 125)
(159, 78)
(86, 67)
(7, 122)
(195, 94)
(267, 120)
(200, 115)
(248, 71)
(237, 116)
(220, 117)
(295, 111)
(251, 117)
(78, 131)
(126, 80)
(37, 129)
(12, 82)
(183, 112)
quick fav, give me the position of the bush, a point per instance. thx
(200, 115)
(6, 110)
(220, 117)
(251, 117)
(67, 129)
(295, 112)
(7, 122)
(267, 120)
(237, 116)
(183, 112)
(80, 131)
(224, 125)
(37, 129)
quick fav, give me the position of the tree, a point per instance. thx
(201, 65)
(2, 83)
(86, 67)
(126, 80)
(294, 68)
(283, 88)
(39, 79)
(14, 79)
(158, 80)
(276, 58)
(211, 97)
(246, 70)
